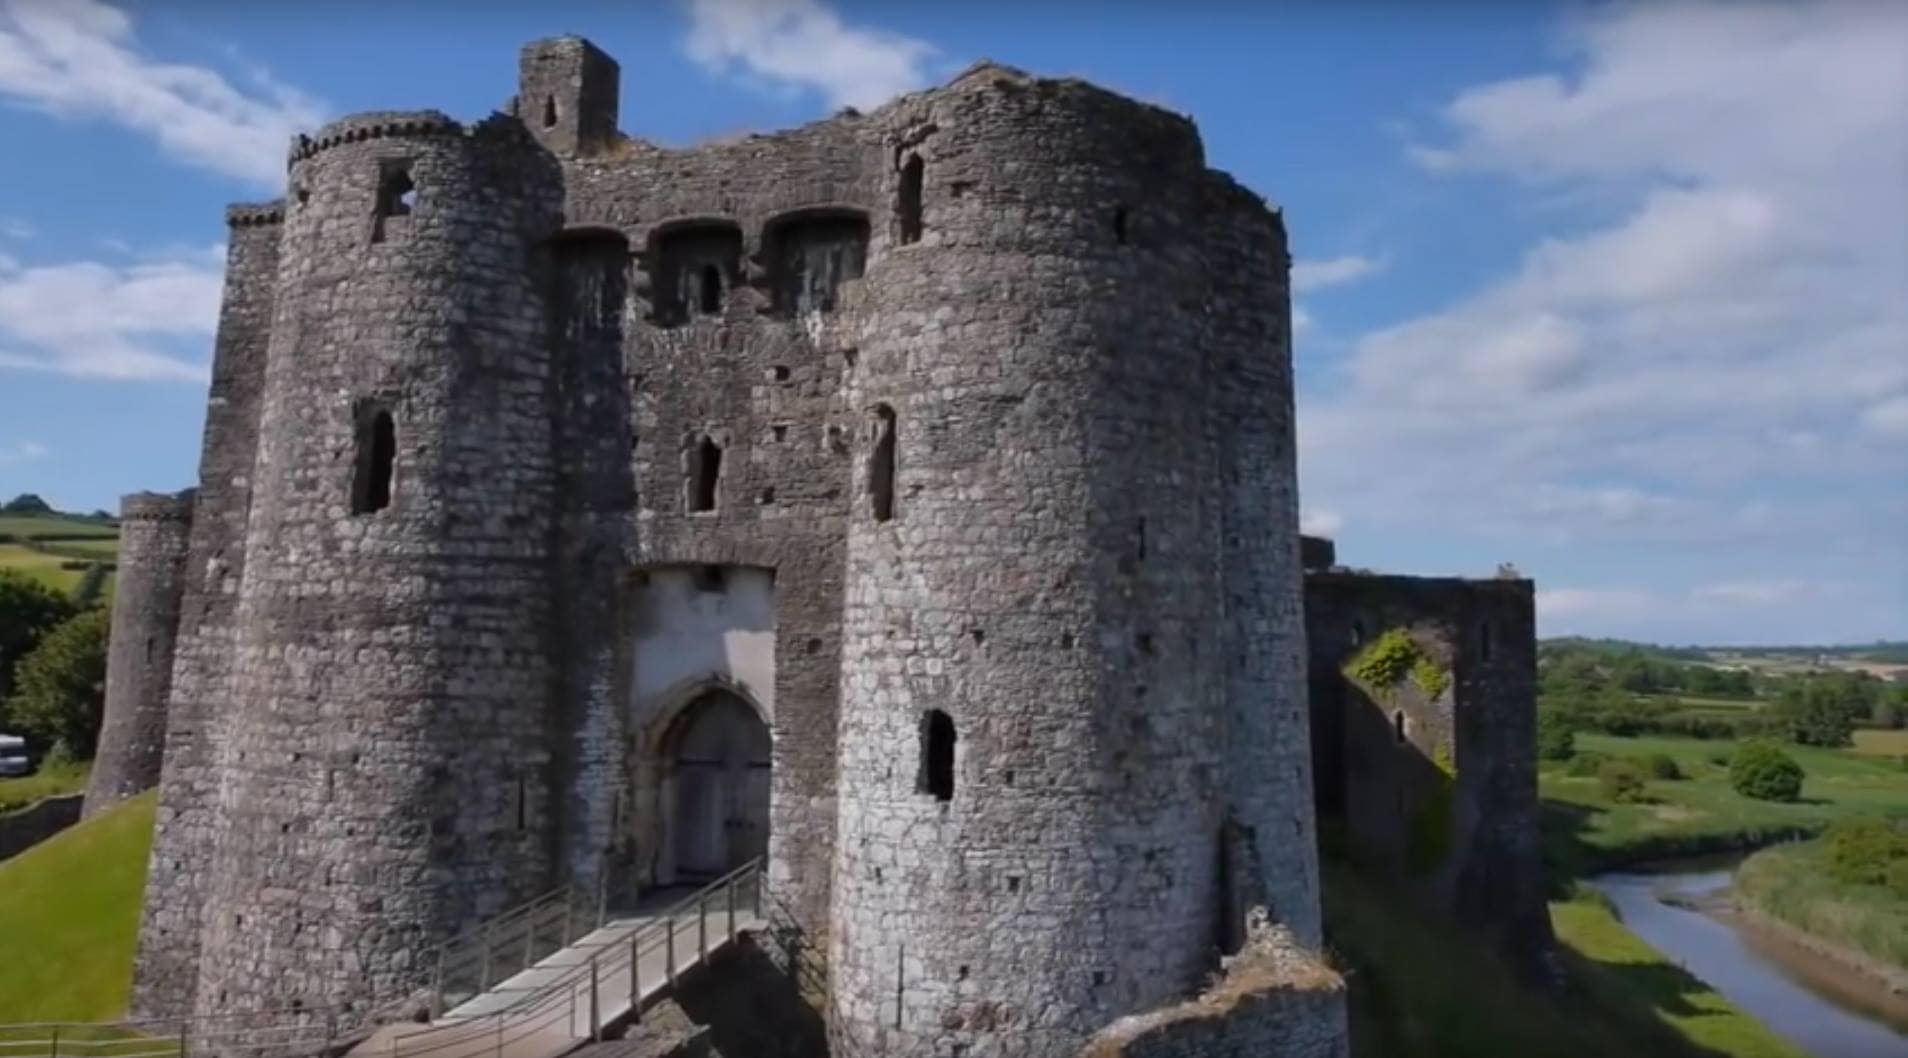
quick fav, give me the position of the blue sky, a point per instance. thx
(1617, 293)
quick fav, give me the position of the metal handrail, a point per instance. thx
(539, 1008)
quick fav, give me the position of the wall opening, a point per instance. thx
(881, 465)
(396, 196)
(523, 803)
(1119, 225)
(937, 756)
(1357, 633)
(694, 266)
(1484, 641)
(710, 294)
(705, 474)
(376, 460)
(908, 203)
(150, 643)
(811, 255)
(1398, 726)
(549, 112)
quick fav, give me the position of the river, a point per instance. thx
(1796, 993)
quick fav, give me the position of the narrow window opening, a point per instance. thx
(1357, 633)
(1484, 641)
(549, 112)
(937, 755)
(909, 207)
(149, 646)
(397, 195)
(377, 454)
(706, 473)
(711, 290)
(1141, 532)
(1119, 225)
(881, 465)
(1398, 726)
(523, 803)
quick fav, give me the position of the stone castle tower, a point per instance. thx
(908, 497)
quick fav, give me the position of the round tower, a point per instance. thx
(386, 774)
(154, 530)
(1035, 784)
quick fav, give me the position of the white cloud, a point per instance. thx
(1333, 271)
(81, 58)
(1731, 340)
(22, 452)
(1320, 523)
(1782, 609)
(16, 229)
(804, 44)
(89, 319)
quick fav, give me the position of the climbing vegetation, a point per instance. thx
(1387, 660)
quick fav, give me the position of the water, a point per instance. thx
(1796, 994)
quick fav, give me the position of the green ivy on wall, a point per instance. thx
(1389, 659)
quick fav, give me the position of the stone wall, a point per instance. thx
(1273, 998)
(1438, 790)
(29, 826)
(154, 533)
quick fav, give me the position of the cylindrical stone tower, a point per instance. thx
(1036, 786)
(154, 531)
(386, 774)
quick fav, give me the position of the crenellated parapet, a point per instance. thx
(375, 125)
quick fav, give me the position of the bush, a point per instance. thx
(58, 755)
(28, 610)
(60, 688)
(1662, 766)
(1862, 851)
(1585, 765)
(1622, 781)
(1897, 879)
(1760, 770)
(1556, 735)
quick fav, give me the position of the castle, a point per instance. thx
(908, 498)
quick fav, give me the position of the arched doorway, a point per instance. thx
(719, 764)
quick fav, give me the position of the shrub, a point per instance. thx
(28, 610)
(1662, 766)
(1556, 735)
(1897, 878)
(1622, 781)
(1862, 851)
(60, 688)
(1586, 764)
(1760, 770)
(58, 755)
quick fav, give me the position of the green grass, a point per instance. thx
(1874, 743)
(53, 781)
(69, 913)
(1791, 883)
(40, 566)
(1585, 831)
(1421, 988)
(104, 547)
(43, 527)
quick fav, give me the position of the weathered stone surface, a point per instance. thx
(154, 532)
(998, 382)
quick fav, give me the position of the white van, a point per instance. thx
(13, 756)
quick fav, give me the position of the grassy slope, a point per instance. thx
(40, 566)
(1790, 883)
(1882, 743)
(1421, 988)
(50, 781)
(69, 913)
(53, 527)
(1585, 830)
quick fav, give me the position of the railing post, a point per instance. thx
(596, 1013)
(437, 982)
(331, 1032)
(529, 938)
(602, 894)
(500, 1022)
(568, 901)
(731, 896)
(635, 971)
(55, 1053)
(669, 953)
(702, 926)
(483, 973)
(183, 1045)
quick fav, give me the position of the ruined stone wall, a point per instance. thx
(1439, 790)
(154, 532)
(165, 972)
(386, 775)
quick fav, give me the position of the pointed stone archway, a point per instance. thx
(715, 787)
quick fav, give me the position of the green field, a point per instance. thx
(52, 781)
(1585, 831)
(73, 902)
(39, 527)
(1420, 987)
(1791, 883)
(1882, 743)
(40, 566)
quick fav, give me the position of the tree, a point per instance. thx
(27, 503)
(1762, 771)
(1556, 735)
(91, 586)
(60, 687)
(1822, 711)
(28, 610)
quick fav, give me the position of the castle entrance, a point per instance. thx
(720, 778)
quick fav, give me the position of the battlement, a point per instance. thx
(255, 214)
(157, 506)
(373, 125)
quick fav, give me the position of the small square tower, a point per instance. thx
(567, 94)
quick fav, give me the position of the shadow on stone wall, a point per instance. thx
(28, 827)
(740, 1005)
